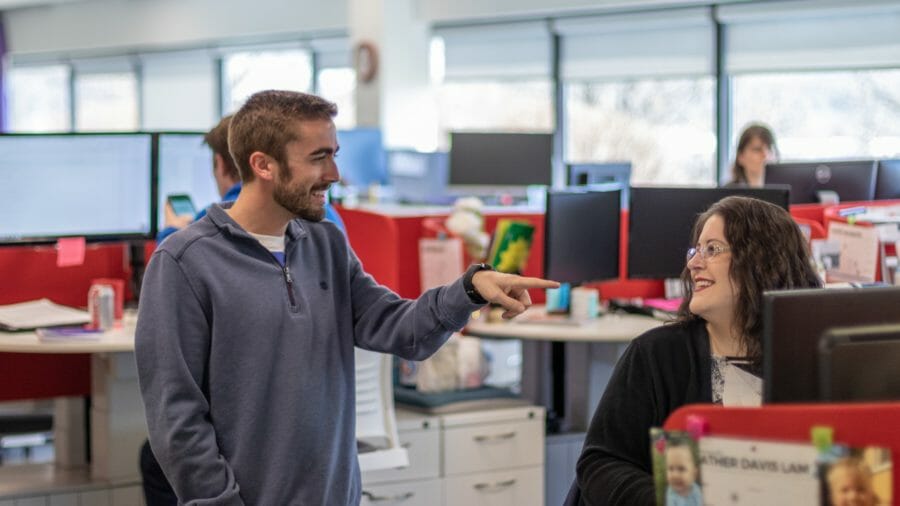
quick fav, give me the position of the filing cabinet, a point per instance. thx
(488, 457)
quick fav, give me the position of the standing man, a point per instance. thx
(157, 490)
(248, 321)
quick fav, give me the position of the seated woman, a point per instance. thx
(756, 147)
(712, 353)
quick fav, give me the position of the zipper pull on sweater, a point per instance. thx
(290, 285)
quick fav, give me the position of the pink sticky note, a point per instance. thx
(69, 251)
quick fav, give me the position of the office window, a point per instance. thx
(106, 101)
(493, 78)
(179, 90)
(339, 86)
(664, 127)
(246, 72)
(511, 106)
(814, 115)
(639, 87)
(38, 99)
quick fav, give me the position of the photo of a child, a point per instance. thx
(676, 469)
(856, 476)
(681, 474)
(849, 483)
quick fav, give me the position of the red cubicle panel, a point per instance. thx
(388, 246)
(31, 273)
(857, 425)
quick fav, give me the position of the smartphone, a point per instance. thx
(181, 204)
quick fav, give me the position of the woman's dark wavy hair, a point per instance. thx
(768, 252)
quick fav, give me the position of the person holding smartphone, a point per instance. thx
(228, 183)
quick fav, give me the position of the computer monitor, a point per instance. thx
(361, 158)
(860, 363)
(581, 235)
(417, 177)
(601, 173)
(184, 166)
(851, 180)
(660, 222)
(887, 182)
(793, 323)
(500, 159)
(61, 185)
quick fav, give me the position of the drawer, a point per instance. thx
(490, 447)
(423, 448)
(519, 487)
(413, 493)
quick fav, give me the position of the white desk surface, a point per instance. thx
(118, 339)
(609, 328)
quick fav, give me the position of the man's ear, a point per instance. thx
(263, 165)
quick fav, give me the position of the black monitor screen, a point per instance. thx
(860, 363)
(500, 159)
(851, 180)
(887, 182)
(598, 173)
(601, 173)
(660, 222)
(793, 323)
(91, 185)
(581, 235)
(185, 167)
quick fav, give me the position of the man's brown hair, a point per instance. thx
(265, 123)
(217, 140)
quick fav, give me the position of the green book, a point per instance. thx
(512, 242)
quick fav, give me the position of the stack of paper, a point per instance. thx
(39, 313)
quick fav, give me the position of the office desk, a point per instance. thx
(566, 367)
(117, 423)
(609, 328)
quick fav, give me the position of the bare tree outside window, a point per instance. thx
(824, 115)
(663, 127)
(497, 105)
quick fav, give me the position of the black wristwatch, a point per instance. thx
(473, 294)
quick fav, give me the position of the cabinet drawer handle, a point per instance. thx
(495, 437)
(378, 498)
(488, 487)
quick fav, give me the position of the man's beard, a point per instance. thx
(299, 202)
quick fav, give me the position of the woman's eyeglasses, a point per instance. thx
(711, 250)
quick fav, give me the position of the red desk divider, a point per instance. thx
(856, 425)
